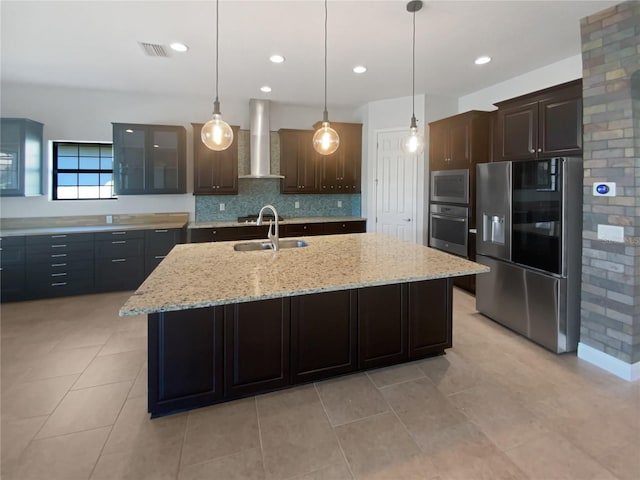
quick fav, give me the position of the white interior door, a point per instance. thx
(396, 177)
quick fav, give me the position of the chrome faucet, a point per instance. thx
(273, 238)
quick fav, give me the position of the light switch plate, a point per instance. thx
(611, 233)
(222, 207)
(604, 189)
(339, 203)
(109, 219)
(296, 204)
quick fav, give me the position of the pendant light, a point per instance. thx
(216, 134)
(326, 139)
(413, 142)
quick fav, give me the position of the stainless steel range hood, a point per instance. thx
(260, 145)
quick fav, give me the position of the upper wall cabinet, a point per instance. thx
(298, 161)
(21, 155)
(149, 159)
(542, 124)
(340, 172)
(460, 141)
(214, 173)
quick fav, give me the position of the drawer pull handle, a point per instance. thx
(57, 255)
(59, 246)
(162, 231)
(58, 236)
(58, 264)
(157, 257)
(64, 274)
(118, 241)
(59, 284)
(118, 233)
(116, 260)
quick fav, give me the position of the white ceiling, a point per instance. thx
(93, 44)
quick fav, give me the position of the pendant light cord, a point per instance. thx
(325, 114)
(413, 69)
(216, 103)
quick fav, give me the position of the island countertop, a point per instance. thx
(207, 274)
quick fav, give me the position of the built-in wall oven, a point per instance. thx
(449, 228)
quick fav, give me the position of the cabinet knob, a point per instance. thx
(533, 150)
(539, 150)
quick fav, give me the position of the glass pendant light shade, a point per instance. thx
(326, 140)
(216, 134)
(413, 142)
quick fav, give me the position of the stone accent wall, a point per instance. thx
(610, 304)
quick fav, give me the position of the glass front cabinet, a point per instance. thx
(21, 157)
(149, 159)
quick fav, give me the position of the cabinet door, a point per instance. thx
(382, 324)
(185, 359)
(165, 161)
(438, 147)
(215, 173)
(298, 162)
(459, 144)
(12, 268)
(341, 171)
(157, 244)
(323, 335)
(129, 158)
(518, 132)
(429, 317)
(21, 155)
(561, 124)
(256, 346)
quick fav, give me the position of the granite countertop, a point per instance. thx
(9, 232)
(206, 274)
(290, 220)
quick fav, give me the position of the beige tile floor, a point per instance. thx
(495, 407)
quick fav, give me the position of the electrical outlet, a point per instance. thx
(339, 203)
(296, 204)
(109, 219)
(222, 207)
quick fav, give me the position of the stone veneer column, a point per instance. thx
(610, 305)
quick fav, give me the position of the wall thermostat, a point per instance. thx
(604, 189)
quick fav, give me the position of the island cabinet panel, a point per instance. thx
(256, 346)
(323, 335)
(430, 304)
(382, 323)
(185, 359)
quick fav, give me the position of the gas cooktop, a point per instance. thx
(254, 218)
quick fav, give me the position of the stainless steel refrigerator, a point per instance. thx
(529, 232)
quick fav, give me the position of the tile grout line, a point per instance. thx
(255, 402)
(333, 429)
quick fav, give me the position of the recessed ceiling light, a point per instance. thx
(276, 58)
(482, 60)
(265, 89)
(179, 47)
(359, 69)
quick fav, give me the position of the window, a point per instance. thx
(82, 171)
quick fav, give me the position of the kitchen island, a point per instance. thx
(225, 324)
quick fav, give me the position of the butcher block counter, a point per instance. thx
(225, 324)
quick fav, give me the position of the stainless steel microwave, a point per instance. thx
(450, 186)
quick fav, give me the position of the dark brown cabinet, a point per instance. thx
(21, 153)
(12, 269)
(540, 124)
(382, 324)
(460, 141)
(149, 159)
(157, 244)
(178, 376)
(429, 305)
(298, 162)
(256, 346)
(323, 335)
(340, 172)
(214, 173)
(468, 282)
(119, 260)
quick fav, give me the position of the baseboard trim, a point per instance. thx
(627, 371)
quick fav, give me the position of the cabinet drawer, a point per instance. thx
(120, 248)
(120, 235)
(151, 262)
(161, 241)
(295, 229)
(12, 280)
(252, 232)
(119, 273)
(53, 278)
(331, 228)
(44, 251)
(59, 238)
(56, 256)
(59, 287)
(11, 241)
(59, 268)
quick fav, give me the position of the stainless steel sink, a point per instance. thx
(249, 246)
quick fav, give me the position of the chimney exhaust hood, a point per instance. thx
(259, 145)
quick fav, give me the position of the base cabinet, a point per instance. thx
(208, 355)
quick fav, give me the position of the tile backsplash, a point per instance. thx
(255, 193)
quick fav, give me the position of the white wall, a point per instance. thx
(75, 114)
(547, 76)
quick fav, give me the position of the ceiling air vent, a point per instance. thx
(153, 49)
